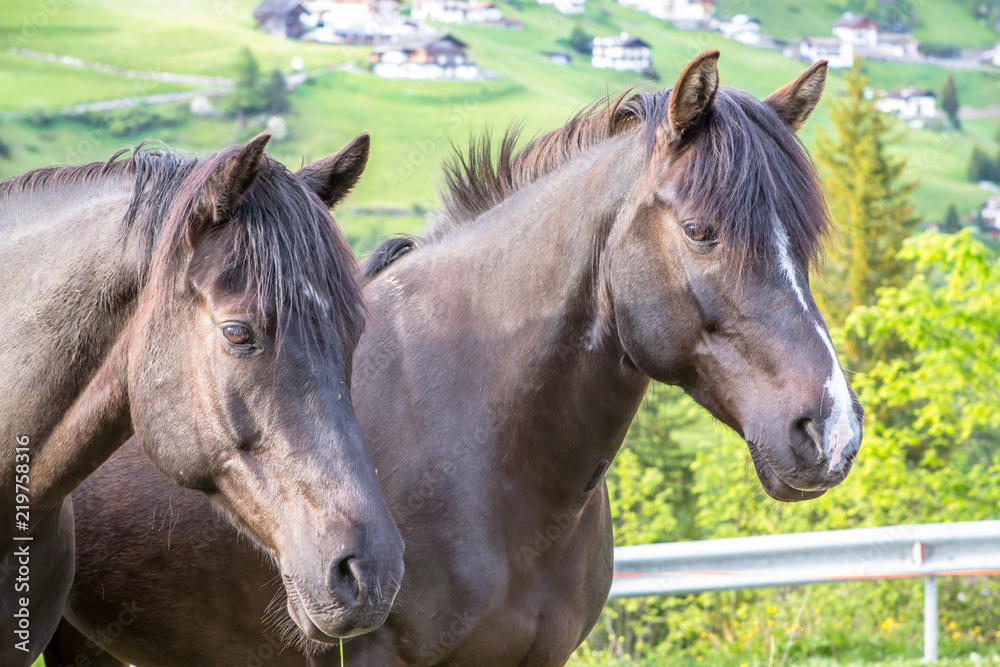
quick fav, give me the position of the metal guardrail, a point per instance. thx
(890, 552)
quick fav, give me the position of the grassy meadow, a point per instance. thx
(413, 124)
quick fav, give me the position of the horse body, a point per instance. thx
(505, 357)
(131, 281)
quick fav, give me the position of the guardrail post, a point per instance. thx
(930, 619)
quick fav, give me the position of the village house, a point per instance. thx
(436, 57)
(357, 21)
(912, 105)
(280, 18)
(566, 6)
(456, 11)
(558, 57)
(895, 45)
(990, 216)
(684, 11)
(620, 53)
(833, 49)
(856, 29)
(740, 28)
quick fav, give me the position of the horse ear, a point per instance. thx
(226, 186)
(333, 177)
(797, 100)
(693, 94)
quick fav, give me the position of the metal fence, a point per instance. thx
(890, 552)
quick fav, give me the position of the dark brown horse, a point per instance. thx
(210, 306)
(663, 236)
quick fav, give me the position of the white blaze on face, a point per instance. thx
(841, 427)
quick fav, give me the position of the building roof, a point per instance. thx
(271, 7)
(855, 22)
(908, 92)
(622, 40)
(424, 42)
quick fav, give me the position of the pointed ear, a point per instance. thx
(226, 185)
(693, 94)
(333, 177)
(797, 100)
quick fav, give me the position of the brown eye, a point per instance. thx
(238, 334)
(700, 232)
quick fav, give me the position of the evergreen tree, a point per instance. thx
(868, 200)
(246, 96)
(981, 167)
(949, 102)
(580, 40)
(276, 94)
(952, 221)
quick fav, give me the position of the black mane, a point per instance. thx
(283, 239)
(744, 167)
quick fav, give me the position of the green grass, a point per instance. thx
(414, 123)
(938, 21)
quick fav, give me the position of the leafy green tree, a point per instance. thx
(952, 221)
(276, 94)
(247, 95)
(949, 102)
(869, 202)
(939, 403)
(580, 40)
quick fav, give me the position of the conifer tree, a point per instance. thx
(952, 221)
(868, 200)
(276, 94)
(949, 102)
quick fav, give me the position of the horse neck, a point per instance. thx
(71, 303)
(532, 269)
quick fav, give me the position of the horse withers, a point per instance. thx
(663, 236)
(211, 306)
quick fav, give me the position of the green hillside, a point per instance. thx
(412, 123)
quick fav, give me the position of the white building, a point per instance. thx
(856, 29)
(896, 45)
(620, 53)
(912, 105)
(566, 6)
(357, 21)
(456, 11)
(833, 49)
(740, 28)
(437, 57)
(688, 11)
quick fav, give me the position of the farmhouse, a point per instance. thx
(896, 45)
(456, 11)
(856, 29)
(566, 6)
(740, 28)
(558, 57)
(912, 105)
(357, 21)
(280, 18)
(620, 53)
(436, 57)
(833, 49)
(684, 11)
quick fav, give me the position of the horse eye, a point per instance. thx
(700, 232)
(238, 334)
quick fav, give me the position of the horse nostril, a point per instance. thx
(345, 580)
(814, 433)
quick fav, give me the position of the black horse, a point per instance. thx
(210, 306)
(663, 236)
